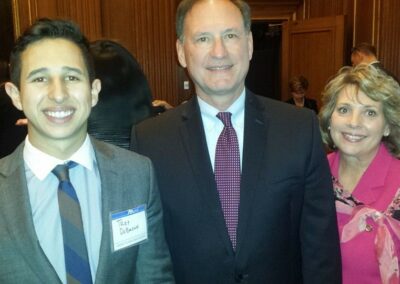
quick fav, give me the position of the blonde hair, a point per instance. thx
(376, 85)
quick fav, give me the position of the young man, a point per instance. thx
(248, 200)
(103, 224)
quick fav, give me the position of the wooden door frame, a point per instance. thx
(315, 24)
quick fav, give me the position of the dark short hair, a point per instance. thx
(298, 82)
(365, 48)
(186, 5)
(49, 29)
(377, 86)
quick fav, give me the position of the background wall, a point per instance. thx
(373, 21)
(146, 28)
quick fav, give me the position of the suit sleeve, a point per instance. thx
(318, 232)
(154, 263)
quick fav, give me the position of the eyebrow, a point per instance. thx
(362, 105)
(64, 69)
(231, 30)
(223, 32)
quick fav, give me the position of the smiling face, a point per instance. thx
(55, 95)
(216, 49)
(357, 125)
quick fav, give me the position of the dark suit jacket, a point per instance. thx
(308, 103)
(127, 181)
(287, 229)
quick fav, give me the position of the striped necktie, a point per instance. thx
(75, 251)
(227, 174)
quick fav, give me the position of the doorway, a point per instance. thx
(6, 30)
(264, 74)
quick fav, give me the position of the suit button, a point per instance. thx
(240, 278)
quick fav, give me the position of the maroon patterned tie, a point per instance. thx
(227, 174)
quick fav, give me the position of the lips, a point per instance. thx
(353, 137)
(219, 67)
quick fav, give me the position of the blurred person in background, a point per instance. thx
(298, 87)
(12, 121)
(366, 53)
(125, 98)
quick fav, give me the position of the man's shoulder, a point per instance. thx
(9, 163)
(165, 124)
(115, 154)
(167, 116)
(272, 107)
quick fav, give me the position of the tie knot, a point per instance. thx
(62, 171)
(225, 117)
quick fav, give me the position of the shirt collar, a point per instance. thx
(209, 112)
(41, 164)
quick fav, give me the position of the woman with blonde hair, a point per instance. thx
(360, 123)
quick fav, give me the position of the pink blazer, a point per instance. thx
(377, 190)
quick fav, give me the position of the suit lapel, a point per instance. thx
(255, 140)
(109, 178)
(194, 141)
(17, 212)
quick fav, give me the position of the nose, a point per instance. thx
(218, 48)
(355, 119)
(58, 91)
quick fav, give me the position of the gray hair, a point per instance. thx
(186, 5)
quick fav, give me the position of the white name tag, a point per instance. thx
(129, 227)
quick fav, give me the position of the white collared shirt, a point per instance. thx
(213, 125)
(42, 188)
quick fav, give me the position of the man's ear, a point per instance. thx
(14, 94)
(96, 88)
(250, 44)
(181, 53)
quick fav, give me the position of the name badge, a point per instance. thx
(128, 227)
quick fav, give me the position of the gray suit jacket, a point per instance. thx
(127, 180)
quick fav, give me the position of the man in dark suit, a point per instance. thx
(365, 53)
(102, 222)
(278, 225)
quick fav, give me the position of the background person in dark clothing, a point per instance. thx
(125, 98)
(298, 87)
(10, 133)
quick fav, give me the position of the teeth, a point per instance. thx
(59, 114)
(219, 67)
(353, 138)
